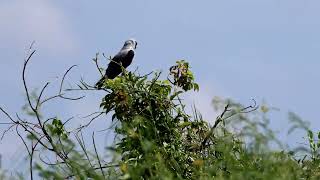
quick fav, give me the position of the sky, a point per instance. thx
(262, 49)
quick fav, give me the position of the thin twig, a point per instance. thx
(5, 131)
(7, 114)
(95, 149)
(86, 125)
(83, 146)
(64, 76)
(24, 79)
(97, 65)
(103, 167)
(39, 98)
(29, 153)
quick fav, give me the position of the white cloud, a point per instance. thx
(203, 101)
(21, 22)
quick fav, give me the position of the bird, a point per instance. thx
(123, 58)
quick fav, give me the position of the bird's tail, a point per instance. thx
(99, 84)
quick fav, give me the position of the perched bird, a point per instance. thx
(123, 58)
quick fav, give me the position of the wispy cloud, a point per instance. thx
(203, 101)
(24, 21)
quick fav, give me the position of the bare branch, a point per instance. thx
(7, 114)
(86, 125)
(38, 101)
(95, 60)
(5, 131)
(83, 146)
(24, 79)
(95, 149)
(60, 94)
(221, 118)
(64, 76)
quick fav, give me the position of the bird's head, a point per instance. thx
(130, 44)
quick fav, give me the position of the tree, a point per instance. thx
(156, 138)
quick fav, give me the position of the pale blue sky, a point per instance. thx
(262, 49)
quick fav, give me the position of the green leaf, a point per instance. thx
(310, 134)
(31, 137)
(195, 87)
(185, 124)
(175, 94)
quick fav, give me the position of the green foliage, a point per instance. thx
(156, 138)
(56, 128)
(159, 140)
(183, 77)
(314, 145)
(153, 124)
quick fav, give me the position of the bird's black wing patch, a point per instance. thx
(114, 69)
(126, 61)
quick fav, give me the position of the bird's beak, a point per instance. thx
(135, 47)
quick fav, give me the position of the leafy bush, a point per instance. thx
(156, 138)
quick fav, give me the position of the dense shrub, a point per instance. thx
(157, 138)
